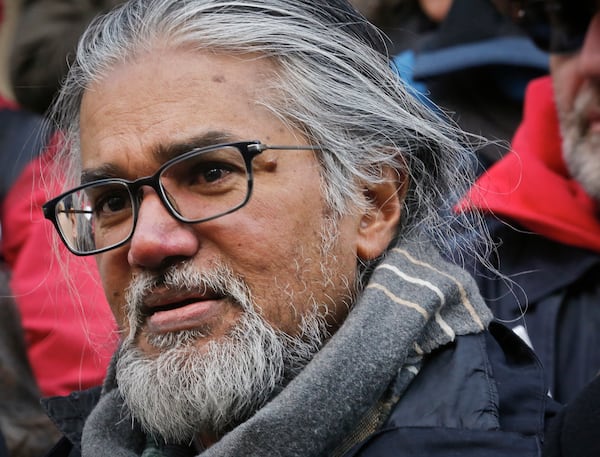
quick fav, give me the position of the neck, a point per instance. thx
(204, 440)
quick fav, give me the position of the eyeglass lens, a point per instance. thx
(194, 187)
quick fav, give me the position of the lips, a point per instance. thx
(171, 312)
(150, 309)
(593, 119)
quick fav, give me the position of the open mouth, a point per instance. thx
(593, 123)
(147, 311)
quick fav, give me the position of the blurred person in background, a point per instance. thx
(403, 22)
(20, 137)
(25, 431)
(45, 45)
(465, 58)
(542, 200)
(69, 338)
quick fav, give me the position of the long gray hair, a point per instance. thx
(334, 81)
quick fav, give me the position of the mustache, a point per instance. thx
(184, 278)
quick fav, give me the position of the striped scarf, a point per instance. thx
(414, 303)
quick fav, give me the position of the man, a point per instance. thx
(267, 205)
(544, 198)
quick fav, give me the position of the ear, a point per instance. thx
(378, 225)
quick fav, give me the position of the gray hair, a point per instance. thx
(334, 81)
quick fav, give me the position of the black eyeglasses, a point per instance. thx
(197, 186)
(556, 26)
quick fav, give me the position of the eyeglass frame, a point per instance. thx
(248, 149)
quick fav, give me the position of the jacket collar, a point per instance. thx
(70, 413)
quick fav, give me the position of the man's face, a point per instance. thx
(274, 244)
(203, 299)
(576, 79)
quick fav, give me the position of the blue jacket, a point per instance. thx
(481, 392)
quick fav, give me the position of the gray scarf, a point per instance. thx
(414, 302)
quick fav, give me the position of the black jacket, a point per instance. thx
(574, 433)
(3, 450)
(483, 394)
(557, 285)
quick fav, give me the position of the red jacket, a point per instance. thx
(531, 184)
(69, 329)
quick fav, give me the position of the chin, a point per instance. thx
(154, 343)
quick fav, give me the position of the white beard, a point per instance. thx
(581, 148)
(184, 390)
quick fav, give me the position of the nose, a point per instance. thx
(590, 52)
(159, 238)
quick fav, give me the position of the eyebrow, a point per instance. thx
(165, 152)
(161, 153)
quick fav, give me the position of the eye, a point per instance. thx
(209, 172)
(113, 203)
(109, 202)
(213, 172)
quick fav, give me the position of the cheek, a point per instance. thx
(274, 226)
(114, 281)
(267, 249)
(289, 272)
(566, 81)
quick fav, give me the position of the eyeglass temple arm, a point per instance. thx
(260, 147)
